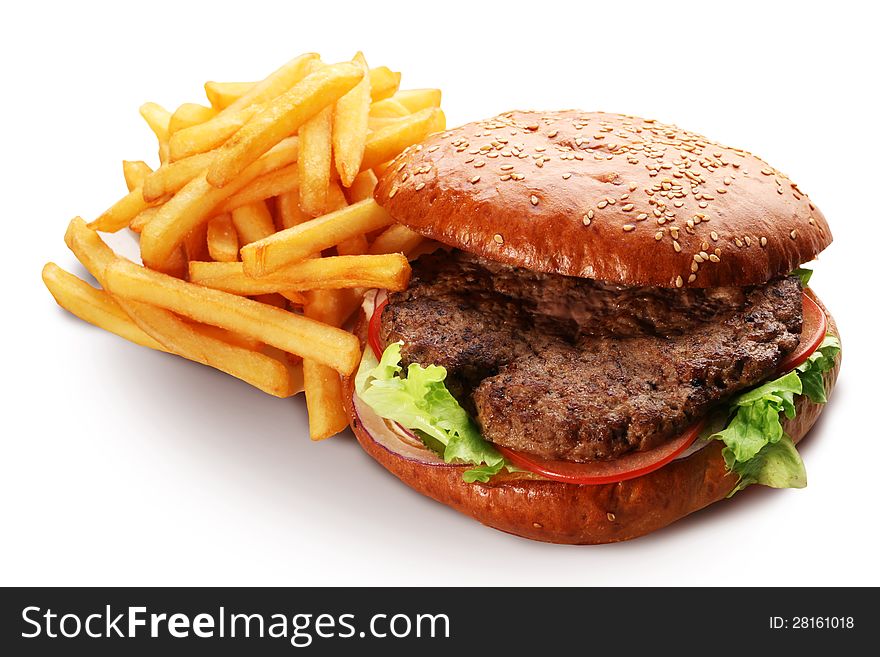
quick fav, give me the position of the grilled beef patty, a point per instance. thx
(575, 369)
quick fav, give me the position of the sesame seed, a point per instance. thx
(628, 228)
(498, 239)
(763, 242)
(601, 204)
(533, 198)
(642, 217)
(704, 255)
(420, 186)
(692, 278)
(714, 258)
(767, 172)
(475, 179)
(695, 267)
(679, 282)
(793, 234)
(628, 207)
(698, 258)
(738, 241)
(586, 220)
(553, 134)
(658, 235)
(611, 517)
(714, 236)
(566, 176)
(506, 167)
(748, 241)
(676, 246)
(479, 164)
(590, 214)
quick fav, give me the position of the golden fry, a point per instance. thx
(314, 162)
(189, 114)
(121, 213)
(383, 82)
(418, 99)
(384, 144)
(280, 118)
(284, 330)
(387, 271)
(222, 94)
(135, 172)
(362, 187)
(93, 306)
(158, 118)
(323, 387)
(389, 108)
(297, 243)
(289, 212)
(396, 239)
(253, 222)
(350, 120)
(222, 239)
(266, 186)
(173, 333)
(203, 137)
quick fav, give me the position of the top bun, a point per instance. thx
(605, 196)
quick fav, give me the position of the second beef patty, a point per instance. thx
(574, 369)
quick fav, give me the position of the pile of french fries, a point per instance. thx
(258, 230)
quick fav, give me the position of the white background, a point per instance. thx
(125, 466)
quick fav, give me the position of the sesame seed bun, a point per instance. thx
(605, 196)
(558, 512)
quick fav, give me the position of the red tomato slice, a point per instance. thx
(813, 332)
(373, 330)
(626, 467)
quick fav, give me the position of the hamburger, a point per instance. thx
(613, 331)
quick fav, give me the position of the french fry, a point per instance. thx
(266, 186)
(222, 239)
(286, 331)
(214, 132)
(171, 177)
(289, 213)
(314, 162)
(280, 118)
(189, 114)
(190, 207)
(222, 94)
(362, 187)
(122, 213)
(135, 172)
(252, 222)
(299, 242)
(350, 127)
(418, 99)
(173, 333)
(158, 118)
(323, 387)
(387, 271)
(276, 300)
(383, 82)
(142, 219)
(389, 108)
(384, 144)
(338, 306)
(227, 336)
(195, 245)
(396, 239)
(93, 306)
(203, 137)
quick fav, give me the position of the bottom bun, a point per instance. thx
(558, 512)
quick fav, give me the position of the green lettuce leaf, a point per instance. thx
(804, 275)
(755, 445)
(420, 402)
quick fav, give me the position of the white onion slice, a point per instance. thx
(396, 440)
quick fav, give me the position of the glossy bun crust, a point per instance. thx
(567, 513)
(605, 196)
